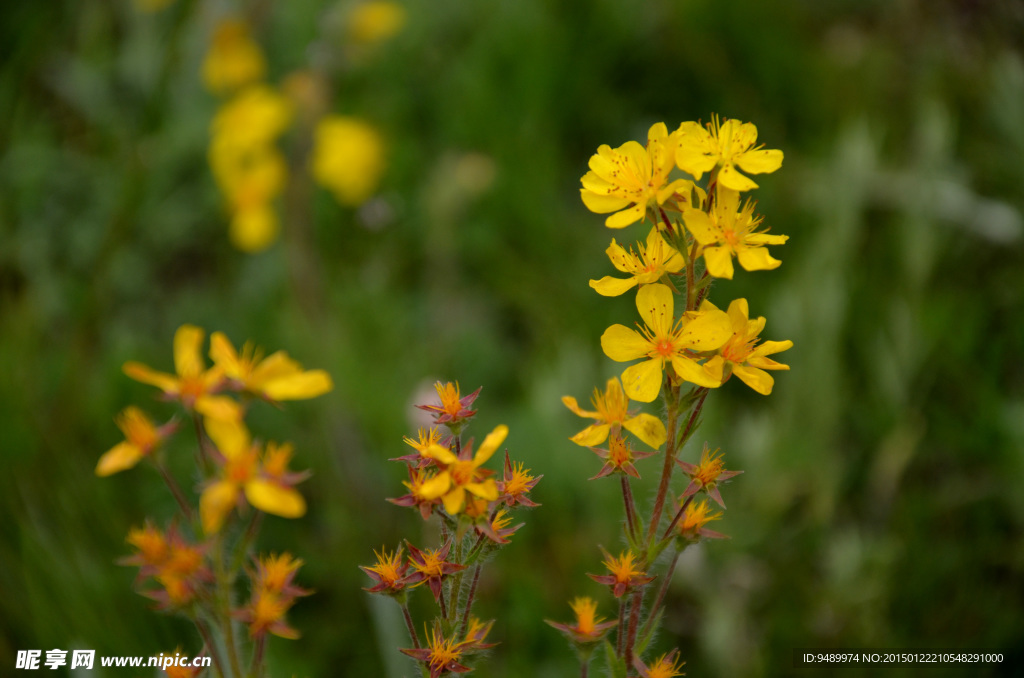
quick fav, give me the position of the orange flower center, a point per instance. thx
(664, 348)
(432, 565)
(738, 348)
(462, 472)
(619, 453)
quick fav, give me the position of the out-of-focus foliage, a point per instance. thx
(881, 504)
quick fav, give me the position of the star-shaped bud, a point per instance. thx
(707, 475)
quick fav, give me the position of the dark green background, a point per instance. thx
(882, 503)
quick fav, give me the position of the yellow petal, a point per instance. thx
(730, 178)
(436, 486)
(759, 380)
(719, 261)
(766, 239)
(613, 287)
(224, 355)
(759, 162)
(571, 403)
(696, 153)
(491, 443)
(647, 428)
(279, 500)
(699, 224)
(738, 312)
(595, 434)
(757, 259)
(706, 332)
(442, 454)
(454, 500)
(656, 305)
(715, 368)
(692, 372)
(626, 217)
(219, 407)
(770, 347)
(486, 490)
(188, 361)
(229, 435)
(602, 204)
(147, 375)
(642, 381)
(120, 457)
(309, 384)
(623, 344)
(215, 503)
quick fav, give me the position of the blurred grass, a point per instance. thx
(880, 505)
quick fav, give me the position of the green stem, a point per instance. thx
(224, 582)
(210, 647)
(671, 398)
(175, 490)
(412, 628)
(256, 669)
(242, 547)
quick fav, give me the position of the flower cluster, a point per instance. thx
(197, 560)
(682, 348)
(249, 168)
(450, 482)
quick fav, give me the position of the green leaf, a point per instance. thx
(616, 665)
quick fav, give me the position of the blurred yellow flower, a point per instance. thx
(234, 58)
(256, 115)
(276, 377)
(140, 438)
(348, 158)
(375, 21)
(193, 385)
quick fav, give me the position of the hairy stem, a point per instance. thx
(634, 618)
(210, 647)
(469, 600)
(677, 516)
(175, 490)
(409, 625)
(627, 500)
(662, 592)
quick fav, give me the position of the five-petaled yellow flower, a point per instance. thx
(656, 258)
(631, 177)
(141, 437)
(729, 145)
(194, 385)
(728, 233)
(612, 411)
(266, 486)
(664, 339)
(276, 377)
(462, 475)
(742, 355)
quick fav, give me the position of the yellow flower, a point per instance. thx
(631, 177)
(655, 260)
(140, 438)
(276, 377)
(665, 666)
(193, 385)
(695, 517)
(728, 233)
(624, 573)
(255, 116)
(589, 628)
(664, 339)
(441, 655)
(242, 475)
(348, 158)
(463, 474)
(265, 612)
(742, 355)
(234, 58)
(728, 145)
(375, 21)
(612, 411)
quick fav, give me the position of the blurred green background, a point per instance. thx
(882, 503)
